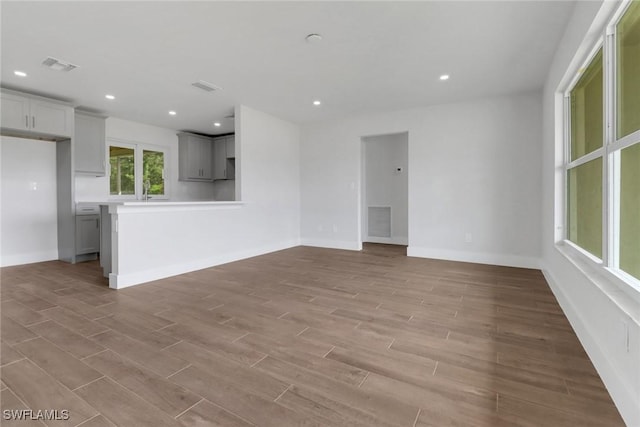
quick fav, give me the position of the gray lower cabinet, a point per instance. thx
(89, 144)
(87, 234)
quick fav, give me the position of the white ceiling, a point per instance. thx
(374, 56)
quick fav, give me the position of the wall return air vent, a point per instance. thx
(206, 86)
(58, 65)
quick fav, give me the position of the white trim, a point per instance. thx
(623, 395)
(582, 252)
(387, 240)
(627, 141)
(586, 158)
(120, 281)
(583, 66)
(28, 258)
(593, 268)
(505, 260)
(349, 245)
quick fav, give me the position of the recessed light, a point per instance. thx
(216, 124)
(316, 102)
(20, 73)
(172, 113)
(444, 77)
(110, 97)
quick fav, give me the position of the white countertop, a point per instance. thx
(164, 203)
(139, 206)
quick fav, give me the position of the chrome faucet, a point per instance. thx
(146, 186)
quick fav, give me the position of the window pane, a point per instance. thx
(122, 179)
(587, 110)
(153, 166)
(585, 206)
(630, 210)
(628, 59)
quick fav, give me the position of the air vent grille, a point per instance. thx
(58, 65)
(379, 221)
(206, 86)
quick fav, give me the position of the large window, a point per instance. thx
(603, 150)
(136, 170)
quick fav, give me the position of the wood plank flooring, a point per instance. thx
(305, 336)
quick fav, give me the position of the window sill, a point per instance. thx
(623, 291)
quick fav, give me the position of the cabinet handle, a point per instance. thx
(26, 121)
(33, 120)
(97, 223)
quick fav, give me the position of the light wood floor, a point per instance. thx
(304, 336)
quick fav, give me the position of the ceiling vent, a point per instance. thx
(206, 86)
(58, 65)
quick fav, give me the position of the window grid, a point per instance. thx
(610, 153)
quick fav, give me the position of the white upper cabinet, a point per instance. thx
(15, 111)
(89, 144)
(31, 114)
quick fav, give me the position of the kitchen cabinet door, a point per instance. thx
(206, 149)
(15, 111)
(195, 158)
(51, 118)
(89, 145)
(231, 147)
(87, 234)
(220, 158)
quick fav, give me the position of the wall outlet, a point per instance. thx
(468, 238)
(320, 228)
(335, 228)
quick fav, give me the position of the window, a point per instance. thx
(603, 151)
(153, 171)
(136, 169)
(122, 171)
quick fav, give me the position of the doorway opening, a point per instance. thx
(385, 191)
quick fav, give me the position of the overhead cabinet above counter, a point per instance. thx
(224, 157)
(34, 116)
(196, 157)
(205, 159)
(89, 144)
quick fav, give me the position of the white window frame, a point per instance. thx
(609, 265)
(138, 148)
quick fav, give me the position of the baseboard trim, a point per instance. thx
(622, 396)
(120, 281)
(30, 258)
(388, 240)
(474, 257)
(333, 244)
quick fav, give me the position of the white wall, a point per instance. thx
(154, 242)
(596, 308)
(473, 168)
(91, 189)
(28, 201)
(385, 186)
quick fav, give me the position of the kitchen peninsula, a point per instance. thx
(144, 241)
